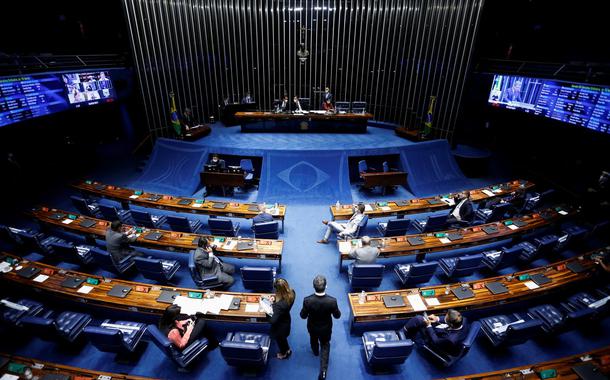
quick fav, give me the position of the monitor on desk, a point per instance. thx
(359, 107)
(342, 107)
(234, 169)
(210, 168)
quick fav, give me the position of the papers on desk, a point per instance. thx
(432, 301)
(85, 289)
(8, 376)
(225, 301)
(367, 207)
(386, 208)
(197, 205)
(488, 193)
(531, 285)
(41, 278)
(5, 267)
(188, 306)
(319, 112)
(417, 303)
(345, 246)
(192, 306)
(562, 212)
(512, 227)
(67, 221)
(252, 308)
(449, 201)
(231, 244)
(444, 240)
(134, 196)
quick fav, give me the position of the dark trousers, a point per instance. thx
(414, 326)
(320, 345)
(282, 344)
(201, 330)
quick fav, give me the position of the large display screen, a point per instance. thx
(29, 96)
(579, 104)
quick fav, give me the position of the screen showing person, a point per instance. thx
(88, 87)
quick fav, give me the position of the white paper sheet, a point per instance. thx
(368, 207)
(444, 240)
(41, 278)
(67, 221)
(531, 285)
(8, 376)
(198, 205)
(251, 308)
(386, 208)
(416, 302)
(230, 245)
(189, 306)
(562, 212)
(134, 196)
(211, 305)
(449, 201)
(512, 227)
(225, 301)
(85, 289)
(432, 301)
(488, 193)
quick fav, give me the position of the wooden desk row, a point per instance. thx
(16, 365)
(440, 241)
(168, 202)
(440, 298)
(436, 203)
(263, 249)
(384, 179)
(562, 368)
(141, 299)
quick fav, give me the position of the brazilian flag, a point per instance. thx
(174, 115)
(428, 120)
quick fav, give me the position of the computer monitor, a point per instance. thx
(358, 107)
(342, 106)
(305, 104)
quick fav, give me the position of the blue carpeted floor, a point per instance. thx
(303, 259)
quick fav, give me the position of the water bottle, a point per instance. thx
(276, 206)
(362, 297)
(337, 206)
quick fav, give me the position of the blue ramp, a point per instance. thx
(173, 168)
(305, 176)
(432, 168)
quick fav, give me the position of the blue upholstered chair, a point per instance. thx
(362, 166)
(26, 307)
(461, 266)
(521, 328)
(579, 307)
(431, 223)
(243, 349)
(181, 358)
(84, 207)
(67, 326)
(537, 200)
(541, 246)
(361, 226)
(445, 360)
(394, 227)
(182, 224)
(529, 251)
(111, 213)
(383, 348)
(365, 276)
(146, 219)
(553, 320)
(156, 269)
(495, 213)
(257, 278)
(209, 282)
(32, 241)
(223, 227)
(119, 337)
(248, 168)
(267, 230)
(417, 273)
(572, 233)
(500, 258)
(67, 251)
(105, 261)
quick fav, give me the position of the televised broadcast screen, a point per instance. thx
(573, 103)
(88, 88)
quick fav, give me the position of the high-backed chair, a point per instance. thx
(105, 261)
(209, 282)
(529, 251)
(111, 213)
(119, 337)
(553, 320)
(495, 213)
(67, 326)
(461, 266)
(267, 230)
(243, 349)
(258, 278)
(156, 269)
(582, 305)
(84, 207)
(223, 227)
(182, 224)
(394, 227)
(500, 258)
(181, 358)
(383, 348)
(69, 252)
(362, 166)
(248, 168)
(146, 219)
(417, 273)
(361, 226)
(570, 234)
(431, 223)
(365, 276)
(32, 241)
(14, 311)
(510, 330)
(445, 360)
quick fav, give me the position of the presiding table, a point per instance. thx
(312, 121)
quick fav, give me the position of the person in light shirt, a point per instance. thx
(463, 211)
(344, 229)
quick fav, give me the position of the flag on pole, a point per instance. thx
(174, 114)
(428, 119)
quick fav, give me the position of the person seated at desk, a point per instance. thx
(263, 216)
(603, 260)
(365, 254)
(182, 330)
(344, 229)
(463, 211)
(445, 333)
(217, 162)
(297, 104)
(516, 199)
(247, 99)
(209, 265)
(283, 106)
(117, 242)
(328, 106)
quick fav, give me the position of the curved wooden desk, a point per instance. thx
(265, 249)
(143, 301)
(429, 204)
(374, 309)
(438, 241)
(563, 368)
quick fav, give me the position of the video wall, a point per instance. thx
(579, 104)
(28, 96)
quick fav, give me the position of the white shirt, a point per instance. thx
(456, 211)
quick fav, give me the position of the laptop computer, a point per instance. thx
(184, 202)
(490, 230)
(153, 236)
(72, 282)
(415, 240)
(540, 279)
(393, 301)
(496, 287)
(245, 245)
(120, 291)
(454, 236)
(57, 216)
(219, 205)
(401, 203)
(153, 198)
(589, 371)
(575, 267)
(519, 223)
(434, 201)
(235, 303)
(87, 223)
(55, 376)
(462, 292)
(167, 296)
(28, 272)
(253, 208)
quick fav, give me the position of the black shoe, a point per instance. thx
(322, 375)
(316, 353)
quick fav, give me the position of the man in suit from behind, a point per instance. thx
(365, 254)
(117, 242)
(463, 212)
(318, 309)
(445, 333)
(263, 216)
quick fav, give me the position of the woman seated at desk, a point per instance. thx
(182, 330)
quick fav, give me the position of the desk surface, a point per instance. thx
(168, 202)
(266, 249)
(400, 246)
(428, 204)
(561, 277)
(563, 366)
(134, 301)
(40, 368)
(298, 116)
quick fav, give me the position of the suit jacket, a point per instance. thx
(352, 225)
(364, 255)
(319, 310)
(280, 320)
(262, 218)
(117, 244)
(206, 264)
(466, 210)
(447, 340)
(220, 164)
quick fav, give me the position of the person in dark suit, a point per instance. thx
(444, 334)
(263, 216)
(513, 93)
(284, 105)
(280, 318)
(327, 97)
(117, 242)
(462, 212)
(209, 265)
(247, 99)
(318, 309)
(220, 164)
